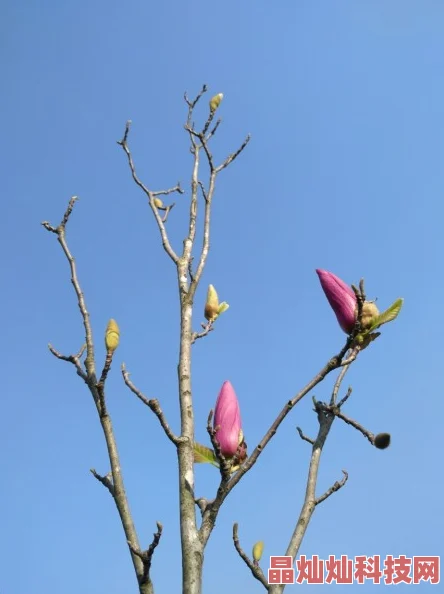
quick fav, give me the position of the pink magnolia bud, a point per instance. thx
(227, 418)
(341, 298)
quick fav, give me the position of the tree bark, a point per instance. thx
(192, 549)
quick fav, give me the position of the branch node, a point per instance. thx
(147, 555)
(105, 480)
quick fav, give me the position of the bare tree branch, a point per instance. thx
(192, 104)
(368, 434)
(346, 397)
(106, 368)
(101, 383)
(338, 485)
(337, 385)
(153, 405)
(176, 188)
(207, 328)
(255, 569)
(304, 437)
(146, 556)
(160, 223)
(234, 155)
(116, 487)
(60, 232)
(75, 359)
(326, 418)
(210, 514)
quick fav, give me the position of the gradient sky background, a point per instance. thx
(345, 104)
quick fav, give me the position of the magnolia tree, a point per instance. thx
(357, 317)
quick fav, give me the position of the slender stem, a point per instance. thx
(326, 419)
(151, 195)
(192, 549)
(116, 487)
(120, 497)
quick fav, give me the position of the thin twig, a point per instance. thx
(207, 328)
(101, 383)
(106, 480)
(337, 385)
(163, 233)
(368, 434)
(74, 359)
(146, 556)
(118, 488)
(338, 485)
(167, 212)
(234, 155)
(304, 437)
(346, 397)
(213, 131)
(106, 368)
(204, 192)
(354, 353)
(255, 569)
(177, 188)
(326, 417)
(153, 404)
(60, 232)
(192, 104)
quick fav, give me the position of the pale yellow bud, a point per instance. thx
(212, 304)
(258, 549)
(369, 313)
(112, 336)
(222, 307)
(215, 101)
(158, 203)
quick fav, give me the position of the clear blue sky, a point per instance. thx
(345, 104)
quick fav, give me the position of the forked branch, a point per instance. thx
(255, 569)
(151, 195)
(113, 481)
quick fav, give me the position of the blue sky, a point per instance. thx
(344, 101)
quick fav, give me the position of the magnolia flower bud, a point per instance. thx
(212, 304)
(258, 549)
(215, 101)
(212, 307)
(341, 297)
(158, 203)
(227, 421)
(112, 336)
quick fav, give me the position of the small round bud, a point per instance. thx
(382, 441)
(158, 203)
(369, 313)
